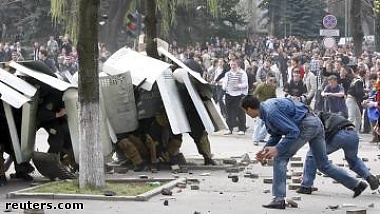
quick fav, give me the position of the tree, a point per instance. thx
(27, 18)
(299, 17)
(356, 23)
(377, 23)
(91, 164)
(151, 32)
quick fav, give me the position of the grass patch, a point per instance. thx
(72, 187)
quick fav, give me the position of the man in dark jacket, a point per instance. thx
(340, 134)
(193, 65)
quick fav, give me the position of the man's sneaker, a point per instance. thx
(275, 205)
(359, 189)
(304, 190)
(241, 133)
(255, 143)
(373, 182)
(228, 132)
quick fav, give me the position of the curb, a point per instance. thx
(142, 197)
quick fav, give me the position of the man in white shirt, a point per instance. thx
(236, 86)
(310, 81)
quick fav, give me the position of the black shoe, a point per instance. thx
(3, 180)
(373, 182)
(359, 189)
(209, 161)
(22, 175)
(304, 190)
(276, 205)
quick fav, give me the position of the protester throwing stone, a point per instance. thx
(291, 119)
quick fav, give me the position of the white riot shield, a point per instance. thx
(70, 98)
(13, 132)
(49, 80)
(141, 67)
(182, 76)
(196, 75)
(17, 83)
(216, 116)
(12, 97)
(173, 104)
(28, 128)
(119, 102)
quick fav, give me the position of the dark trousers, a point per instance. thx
(234, 111)
(219, 99)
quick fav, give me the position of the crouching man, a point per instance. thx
(339, 134)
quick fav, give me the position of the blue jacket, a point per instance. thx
(282, 117)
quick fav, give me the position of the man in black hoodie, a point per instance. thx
(340, 134)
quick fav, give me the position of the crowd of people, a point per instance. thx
(330, 95)
(332, 80)
(329, 99)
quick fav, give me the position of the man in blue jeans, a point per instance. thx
(291, 119)
(340, 134)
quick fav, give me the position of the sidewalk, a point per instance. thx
(219, 195)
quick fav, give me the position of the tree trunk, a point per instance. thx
(377, 31)
(91, 161)
(356, 23)
(151, 25)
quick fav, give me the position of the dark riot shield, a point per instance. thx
(119, 102)
(172, 102)
(48, 165)
(148, 102)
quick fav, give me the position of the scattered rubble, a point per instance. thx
(292, 203)
(356, 211)
(268, 180)
(194, 187)
(167, 192)
(332, 207)
(109, 193)
(296, 198)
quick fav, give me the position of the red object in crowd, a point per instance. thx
(377, 88)
(302, 72)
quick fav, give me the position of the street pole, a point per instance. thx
(285, 21)
(345, 21)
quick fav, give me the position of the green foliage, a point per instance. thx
(28, 18)
(196, 22)
(376, 6)
(301, 17)
(66, 11)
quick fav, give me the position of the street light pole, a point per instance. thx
(345, 21)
